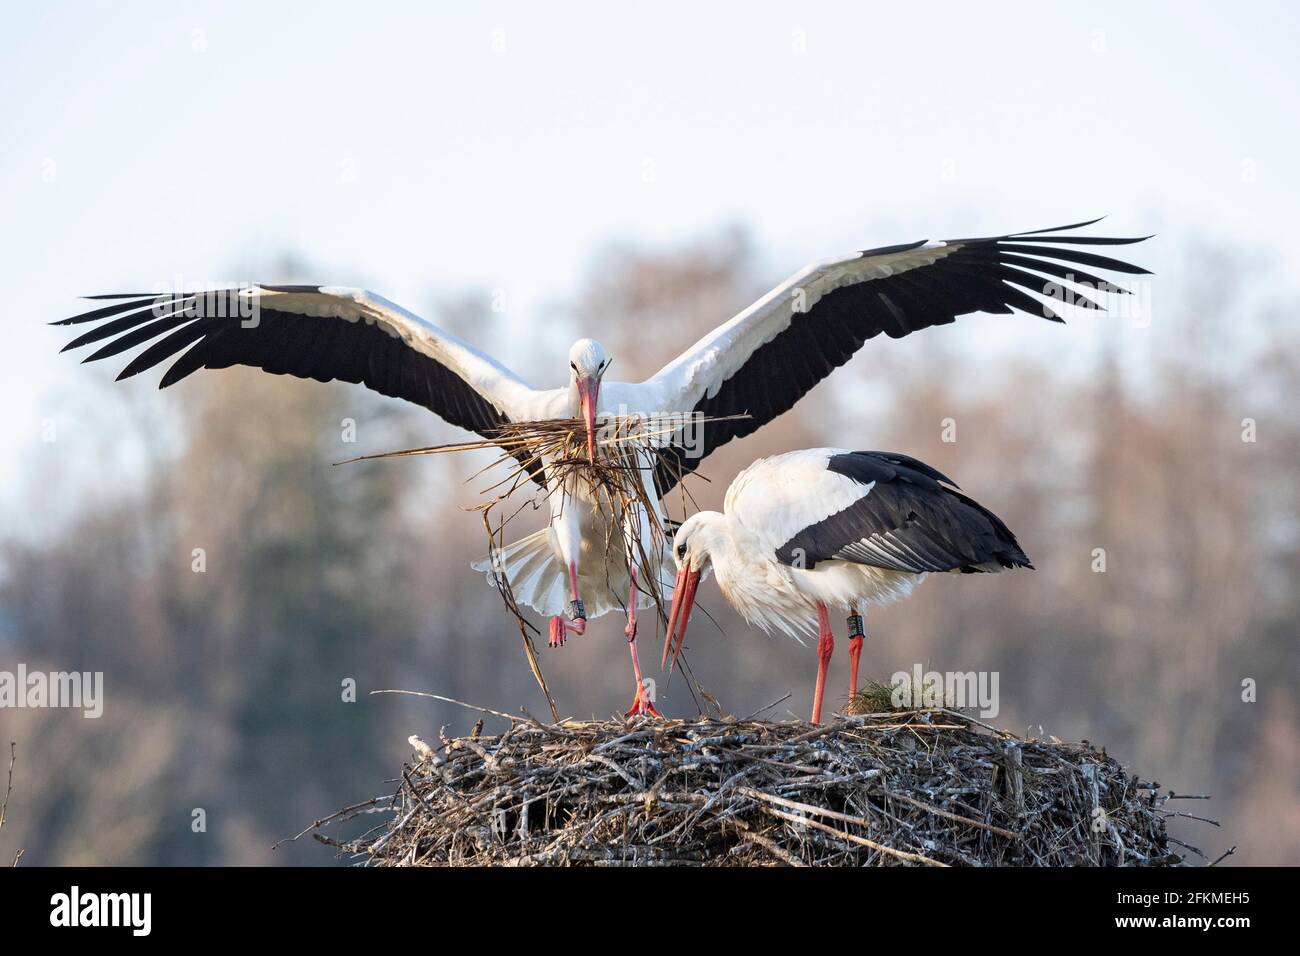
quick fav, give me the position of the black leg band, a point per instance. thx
(855, 626)
(576, 610)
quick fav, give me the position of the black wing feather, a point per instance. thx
(984, 275)
(210, 328)
(908, 521)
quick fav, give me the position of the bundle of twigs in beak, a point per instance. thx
(554, 452)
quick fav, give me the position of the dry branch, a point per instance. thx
(9, 789)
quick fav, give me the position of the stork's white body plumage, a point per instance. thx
(579, 531)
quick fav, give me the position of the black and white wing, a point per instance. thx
(769, 356)
(876, 508)
(322, 333)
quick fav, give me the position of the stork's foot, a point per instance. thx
(642, 704)
(560, 629)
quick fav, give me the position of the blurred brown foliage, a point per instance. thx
(225, 689)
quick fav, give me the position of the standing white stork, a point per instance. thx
(758, 365)
(827, 527)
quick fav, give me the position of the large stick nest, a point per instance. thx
(920, 787)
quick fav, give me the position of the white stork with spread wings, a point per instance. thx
(758, 364)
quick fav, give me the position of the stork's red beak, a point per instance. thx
(589, 394)
(679, 614)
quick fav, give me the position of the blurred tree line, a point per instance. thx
(227, 670)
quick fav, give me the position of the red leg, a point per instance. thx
(630, 630)
(578, 623)
(825, 646)
(856, 635)
(641, 703)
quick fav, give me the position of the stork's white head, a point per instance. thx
(694, 545)
(587, 364)
(696, 540)
(587, 359)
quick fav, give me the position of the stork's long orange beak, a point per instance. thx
(589, 394)
(679, 615)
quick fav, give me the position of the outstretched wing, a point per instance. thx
(318, 332)
(769, 356)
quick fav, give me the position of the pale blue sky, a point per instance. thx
(424, 148)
